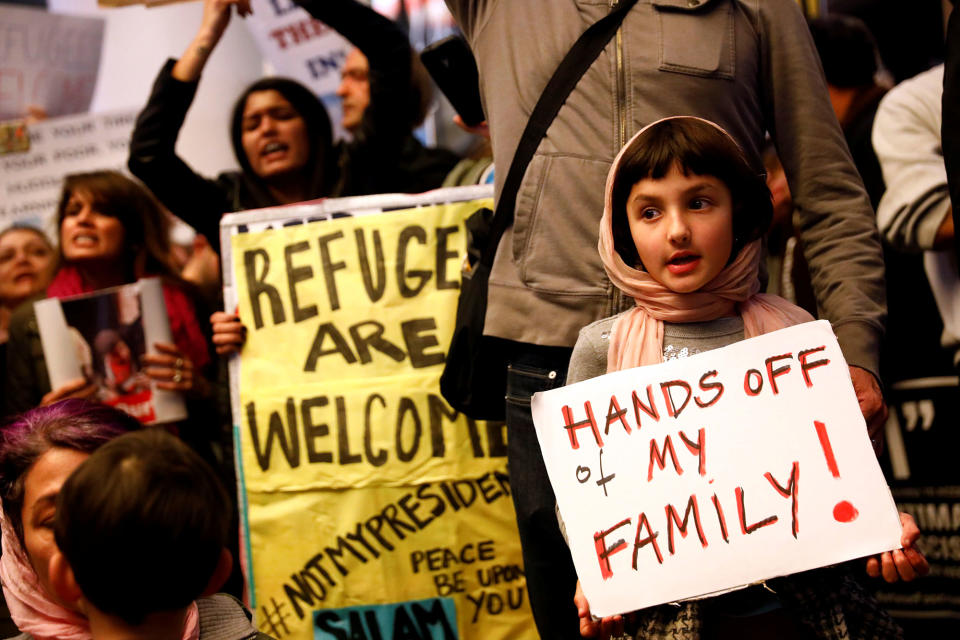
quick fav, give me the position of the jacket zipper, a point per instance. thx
(621, 88)
(621, 106)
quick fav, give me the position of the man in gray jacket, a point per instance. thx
(749, 66)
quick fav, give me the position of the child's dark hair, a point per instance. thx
(700, 148)
(143, 523)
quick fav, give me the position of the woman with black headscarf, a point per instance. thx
(280, 131)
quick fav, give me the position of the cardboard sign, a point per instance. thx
(371, 508)
(49, 60)
(715, 471)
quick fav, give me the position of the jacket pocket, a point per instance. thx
(696, 37)
(556, 226)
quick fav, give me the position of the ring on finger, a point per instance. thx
(177, 376)
(178, 364)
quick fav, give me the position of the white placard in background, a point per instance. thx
(48, 60)
(30, 181)
(714, 471)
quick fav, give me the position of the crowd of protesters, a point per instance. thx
(859, 231)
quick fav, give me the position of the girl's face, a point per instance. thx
(26, 264)
(88, 235)
(273, 135)
(682, 227)
(40, 488)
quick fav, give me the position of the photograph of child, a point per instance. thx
(109, 327)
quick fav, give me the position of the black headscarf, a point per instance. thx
(321, 163)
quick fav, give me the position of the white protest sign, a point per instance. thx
(715, 471)
(47, 59)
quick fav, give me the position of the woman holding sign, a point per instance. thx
(680, 233)
(112, 232)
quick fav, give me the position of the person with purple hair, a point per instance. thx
(39, 449)
(146, 512)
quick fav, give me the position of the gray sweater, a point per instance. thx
(589, 358)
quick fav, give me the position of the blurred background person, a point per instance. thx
(112, 232)
(914, 214)
(26, 267)
(910, 40)
(857, 81)
(788, 274)
(386, 93)
(27, 261)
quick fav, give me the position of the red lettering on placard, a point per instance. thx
(749, 528)
(672, 519)
(571, 426)
(721, 518)
(604, 552)
(790, 491)
(773, 373)
(666, 388)
(806, 366)
(614, 414)
(709, 386)
(650, 538)
(650, 408)
(658, 456)
(698, 448)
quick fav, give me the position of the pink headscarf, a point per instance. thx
(34, 611)
(637, 336)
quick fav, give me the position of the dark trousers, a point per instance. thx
(551, 577)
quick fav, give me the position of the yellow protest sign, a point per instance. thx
(372, 509)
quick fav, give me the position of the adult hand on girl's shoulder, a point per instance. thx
(591, 628)
(904, 564)
(872, 406)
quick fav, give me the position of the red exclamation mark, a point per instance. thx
(843, 511)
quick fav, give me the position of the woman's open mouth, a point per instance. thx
(84, 240)
(273, 148)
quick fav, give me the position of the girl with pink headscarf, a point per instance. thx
(680, 234)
